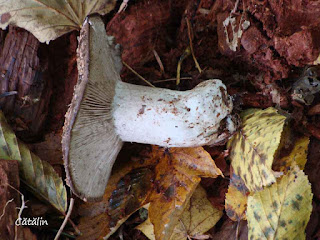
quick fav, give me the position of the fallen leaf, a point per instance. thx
(236, 203)
(177, 176)
(298, 156)
(252, 149)
(231, 230)
(282, 210)
(198, 217)
(38, 175)
(165, 178)
(49, 19)
(127, 191)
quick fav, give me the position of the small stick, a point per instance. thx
(6, 94)
(183, 56)
(123, 6)
(65, 219)
(159, 61)
(172, 79)
(23, 206)
(138, 75)
(4, 209)
(235, 7)
(191, 47)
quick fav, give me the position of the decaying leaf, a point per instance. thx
(236, 203)
(282, 210)
(252, 149)
(38, 175)
(49, 19)
(298, 156)
(198, 217)
(127, 191)
(165, 178)
(177, 176)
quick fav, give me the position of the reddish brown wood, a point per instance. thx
(22, 71)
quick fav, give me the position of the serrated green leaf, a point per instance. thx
(38, 175)
(49, 19)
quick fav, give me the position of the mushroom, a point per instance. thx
(105, 112)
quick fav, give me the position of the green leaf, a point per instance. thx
(38, 175)
(282, 210)
(49, 19)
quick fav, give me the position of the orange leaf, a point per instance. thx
(177, 176)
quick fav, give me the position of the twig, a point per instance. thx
(65, 219)
(6, 94)
(235, 7)
(186, 53)
(172, 79)
(4, 209)
(123, 6)
(158, 60)
(191, 47)
(23, 206)
(237, 231)
(138, 75)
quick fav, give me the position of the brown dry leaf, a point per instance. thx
(177, 176)
(127, 191)
(252, 149)
(236, 203)
(49, 19)
(198, 217)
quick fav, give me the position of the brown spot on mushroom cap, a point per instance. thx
(89, 143)
(5, 18)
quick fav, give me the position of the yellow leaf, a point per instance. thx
(317, 61)
(147, 228)
(198, 217)
(282, 210)
(252, 149)
(49, 19)
(177, 176)
(298, 156)
(236, 203)
(38, 175)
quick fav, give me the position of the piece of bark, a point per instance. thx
(22, 71)
(300, 48)
(141, 29)
(9, 174)
(63, 70)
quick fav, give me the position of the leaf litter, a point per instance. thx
(255, 53)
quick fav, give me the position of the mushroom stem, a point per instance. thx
(170, 118)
